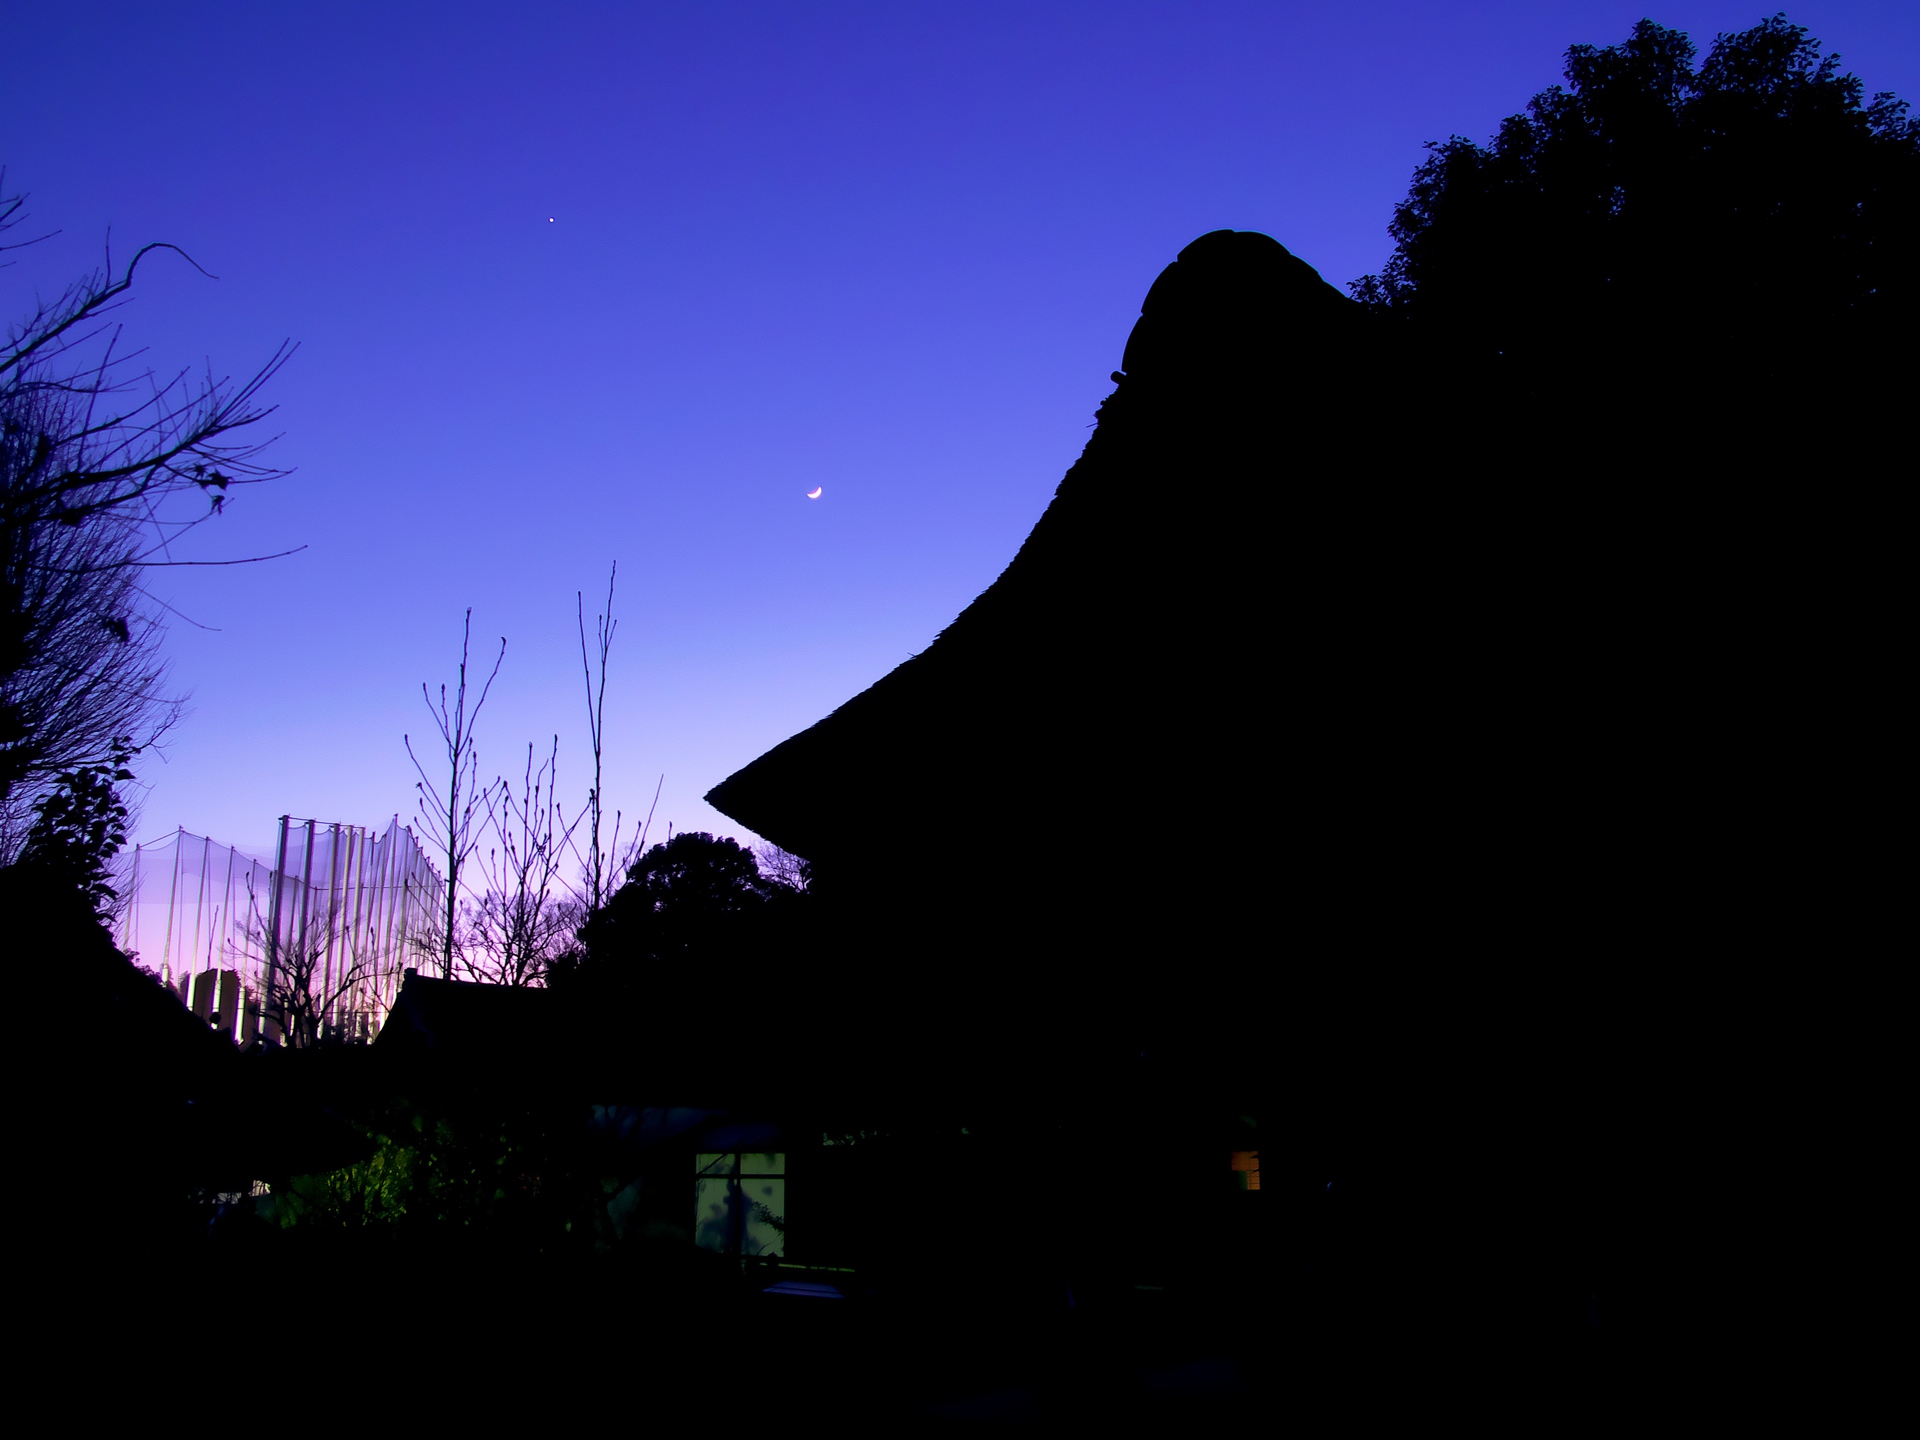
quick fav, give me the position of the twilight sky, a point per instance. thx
(575, 283)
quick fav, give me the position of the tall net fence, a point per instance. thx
(309, 946)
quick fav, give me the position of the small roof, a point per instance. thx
(457, 1021)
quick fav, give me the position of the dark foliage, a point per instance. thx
(696, 951)
(683, 902)
(78, 827)
(1751, 222)
(125, 1100)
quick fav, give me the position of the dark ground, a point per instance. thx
(1075, 1277)
(454, 1342)
(287, 1325)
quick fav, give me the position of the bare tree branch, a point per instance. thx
(184, 564)
(449, 821)
(519, 925)
(596, 867)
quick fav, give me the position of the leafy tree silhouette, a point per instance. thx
(680, 897)
(79, 826)
(1748, 222)
(698, 932)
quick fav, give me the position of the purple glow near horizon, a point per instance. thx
(585, 283)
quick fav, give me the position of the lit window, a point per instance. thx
(1245, 1165)
(740, 1203)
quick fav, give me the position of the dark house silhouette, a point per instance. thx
(1246, 748)
(1076, 790)
(680, 1157)
(489, 1034)
(1435, 781)
(1293, 775)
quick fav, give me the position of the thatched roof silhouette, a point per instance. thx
(1125, 632)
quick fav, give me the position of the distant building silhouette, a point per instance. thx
(341, 910)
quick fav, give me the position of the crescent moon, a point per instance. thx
(814, 493)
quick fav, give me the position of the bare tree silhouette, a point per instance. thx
(521, 919)
(449, 809)
(603, 865)
(320, 971)
(104, 470)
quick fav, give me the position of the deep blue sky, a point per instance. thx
(891, 249)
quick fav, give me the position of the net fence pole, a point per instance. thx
(200, 901)
(173, 884)
(278, 880)
(226, 921)
(305, 932)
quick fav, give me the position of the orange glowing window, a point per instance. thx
(1245, 1165)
